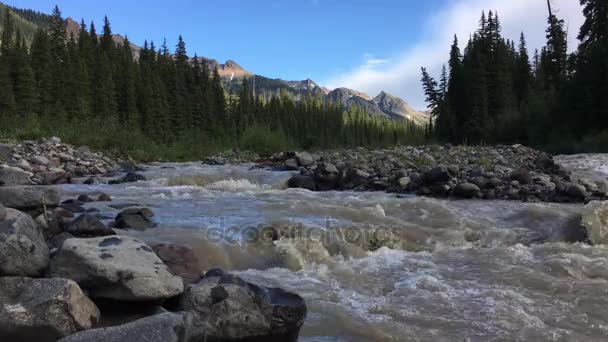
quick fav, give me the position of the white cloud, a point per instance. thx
(400, 74)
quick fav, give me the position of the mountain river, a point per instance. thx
(374, 266)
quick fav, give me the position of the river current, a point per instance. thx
(380, 267)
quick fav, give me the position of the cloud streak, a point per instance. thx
(400, 74)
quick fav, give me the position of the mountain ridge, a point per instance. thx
(233, 74)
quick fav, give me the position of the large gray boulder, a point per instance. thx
(227, 308)
(305, 158)
(165, 327)
(14, 176)
(43, 310)
(23, 251)
(595, 221)
(28, 197)
(118, 267)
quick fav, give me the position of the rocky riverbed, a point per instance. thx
(494, 172)
(193, 252)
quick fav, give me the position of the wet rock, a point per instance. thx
(181, 261)
(135, 218)
(595, 221)
(164, 327)
(117, 267)
(104, 198)
(130, 177)
(302, 182)
(467, 190)
(43, 309)
(228, 308)
(2, 213)
(85, 199)
(87, 225)
(23, 251)
(14, 176)
(28, 197)
(72, 207)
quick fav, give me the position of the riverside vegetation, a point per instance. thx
(158, 104)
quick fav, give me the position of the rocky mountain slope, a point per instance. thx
(383, 105)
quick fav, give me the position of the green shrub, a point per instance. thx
(263, 140)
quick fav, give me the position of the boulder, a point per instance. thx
(577, 191)
(40, 160)
(437, 175)
(23, 251)
(28, 197)
(181, 261)
(595, 221)
(522, 175)
(302, 182)
(291, 164)
(58, 240)
(467, 190)
(135, 218)
(49, 223)
(117, 267)
(87, 225)
(305, 158)
(104, 198)
(130, 177)
(164, 327)
(227, 308)
(85, 199)
(14, 176)
(43, 310)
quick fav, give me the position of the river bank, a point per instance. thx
(486, 172)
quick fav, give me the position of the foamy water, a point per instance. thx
(375, 267)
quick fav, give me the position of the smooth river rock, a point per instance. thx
(14, 176)
(227, 308)
(41, 310)
(23, 251)
(28, 197)
(165, 327)
(117, 267)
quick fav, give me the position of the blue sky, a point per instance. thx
(368, 45)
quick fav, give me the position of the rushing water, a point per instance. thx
(394, 269)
